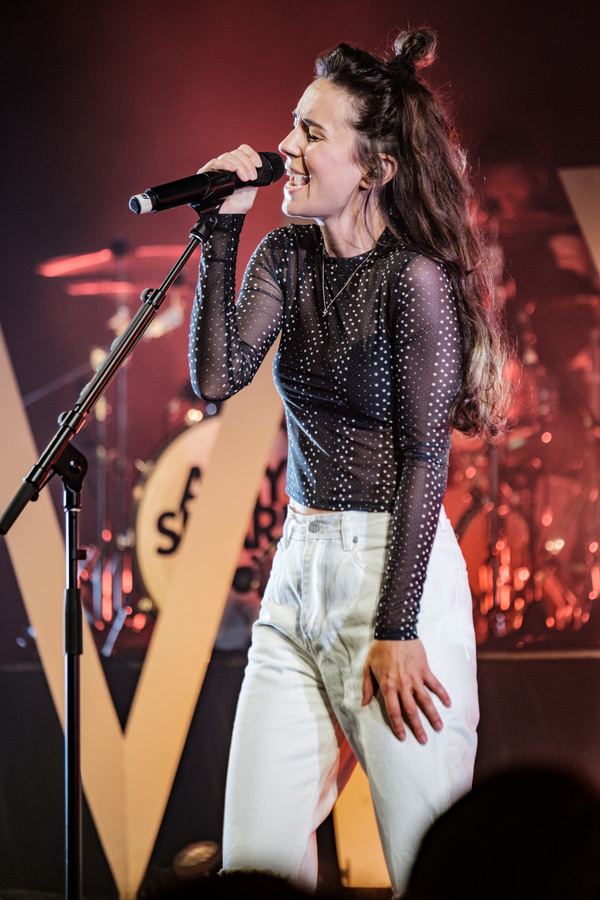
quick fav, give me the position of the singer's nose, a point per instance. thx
(288, 147)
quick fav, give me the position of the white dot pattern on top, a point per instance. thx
(367, 388)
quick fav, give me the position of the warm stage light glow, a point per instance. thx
(522, 575)
(69, 265)
(193, 415)
(127, 576)
(138, 623)
(107, 604)
(103, 288)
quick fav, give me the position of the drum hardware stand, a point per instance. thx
(487, 500)
(107, 559)
(115, 560)
(590, 533)
(479, 501)
(594, 414)
(530, 362)
(60, 457)
(494, 522)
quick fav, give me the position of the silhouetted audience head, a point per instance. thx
(242, 885)
(528, 833)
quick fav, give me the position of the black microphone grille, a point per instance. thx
(271, 170)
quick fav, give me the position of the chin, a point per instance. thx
(287, 208)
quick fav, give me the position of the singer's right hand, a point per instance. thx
(244, 162)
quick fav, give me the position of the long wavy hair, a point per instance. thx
(429, 204)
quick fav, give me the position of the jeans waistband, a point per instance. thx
(350, 526)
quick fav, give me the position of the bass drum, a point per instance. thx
(163, 501)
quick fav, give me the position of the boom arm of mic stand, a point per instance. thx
(72, 421)
(60, 456)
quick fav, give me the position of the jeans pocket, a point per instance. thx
(371, 559)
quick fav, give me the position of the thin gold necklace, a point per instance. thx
(327, 305)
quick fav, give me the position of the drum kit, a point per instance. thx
(525, 509)
(119, 275)
(141, 506)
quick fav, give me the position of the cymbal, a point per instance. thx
(117, 290)
(118, 261)
(104, 289)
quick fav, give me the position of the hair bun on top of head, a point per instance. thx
(414, 50)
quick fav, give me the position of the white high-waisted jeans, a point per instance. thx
(300, 725)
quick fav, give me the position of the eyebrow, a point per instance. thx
(310, 122)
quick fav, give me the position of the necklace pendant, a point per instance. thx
(327, 306)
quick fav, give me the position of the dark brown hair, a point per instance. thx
(429, 203)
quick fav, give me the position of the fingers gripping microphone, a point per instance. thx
(206, 189)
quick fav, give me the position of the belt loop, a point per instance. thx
(286, 531)
(347, 531)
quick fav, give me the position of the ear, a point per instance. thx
(384, 170)
(389, 167)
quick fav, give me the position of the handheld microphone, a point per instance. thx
(206, 189)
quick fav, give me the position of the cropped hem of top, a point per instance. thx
(367, 368)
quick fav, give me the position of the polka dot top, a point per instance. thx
(367, 387)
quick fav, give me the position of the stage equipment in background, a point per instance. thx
(526, 510)
(164, 497)
(61, 457)
(117, 272)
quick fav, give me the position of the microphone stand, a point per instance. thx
(62, 458)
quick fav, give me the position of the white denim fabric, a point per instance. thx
(300, 725)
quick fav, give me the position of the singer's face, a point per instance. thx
(325, 181)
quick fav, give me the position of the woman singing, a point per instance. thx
(364, 648)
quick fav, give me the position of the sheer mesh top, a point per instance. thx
(367, 386)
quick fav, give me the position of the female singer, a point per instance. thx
(364, 647)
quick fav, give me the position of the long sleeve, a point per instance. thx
(228, 341)
(427, 357)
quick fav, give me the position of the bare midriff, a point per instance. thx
(308, 510)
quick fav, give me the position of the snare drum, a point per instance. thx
(163, 501)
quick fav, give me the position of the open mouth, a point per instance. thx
(297, 180)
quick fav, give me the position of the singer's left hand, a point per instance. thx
(406, 682)
(244, 162)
